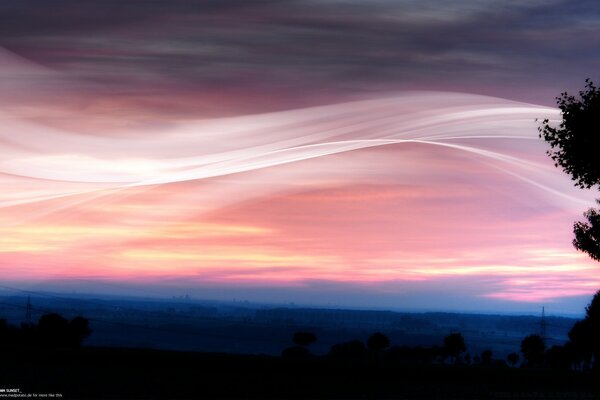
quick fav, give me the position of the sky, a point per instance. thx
(337, 153)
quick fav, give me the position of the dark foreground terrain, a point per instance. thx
(189, 325)
(115, 373)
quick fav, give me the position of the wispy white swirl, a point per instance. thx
(43, 163)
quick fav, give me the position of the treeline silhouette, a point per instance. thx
(48, 357)
(581, 352)
(378, 347)
(52, 330)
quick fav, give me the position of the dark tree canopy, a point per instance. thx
(378, 341)
(587, 234)
(513, 359)
(55, 330)
(592, 311)
(585, 334)
(454, 344)
(576, 140)
(486, 357)
(574, 147)
(533, 348)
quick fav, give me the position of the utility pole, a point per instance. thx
(543, 325)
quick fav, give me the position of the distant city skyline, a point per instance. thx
(334, 153)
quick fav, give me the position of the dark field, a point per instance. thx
(254, 329)
(109, 373)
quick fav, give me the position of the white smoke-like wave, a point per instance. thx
(39, 163)
(50, 163)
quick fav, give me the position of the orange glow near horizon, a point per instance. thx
(346, 234)
(455, 196)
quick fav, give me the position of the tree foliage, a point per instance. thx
(378, 341)
(587, 234)
(52, 330)
(575, 141)
(574, 147)
(585, 334)
(533, 348)
(454, 345)
(513, 359)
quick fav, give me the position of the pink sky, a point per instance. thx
(381, 157)
(444, 191)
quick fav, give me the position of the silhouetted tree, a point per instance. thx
(581, 339)
(533, 348)
(55, 330)
(454, 345)
(587, 234)
(378, 342)
(300, 350)
(486, 357)
(513, 359)
(304, 339)
(574, 147)
(78, 330)
(592, 311)
(575, 142)
(585, 334)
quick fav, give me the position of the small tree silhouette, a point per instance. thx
(513, 359)
(533, 348)
(378, 342)
(454, 345)
(486, 357)
(55, 330)
(79, 329)
(300, 350)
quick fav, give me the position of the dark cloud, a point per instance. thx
(306, 47)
